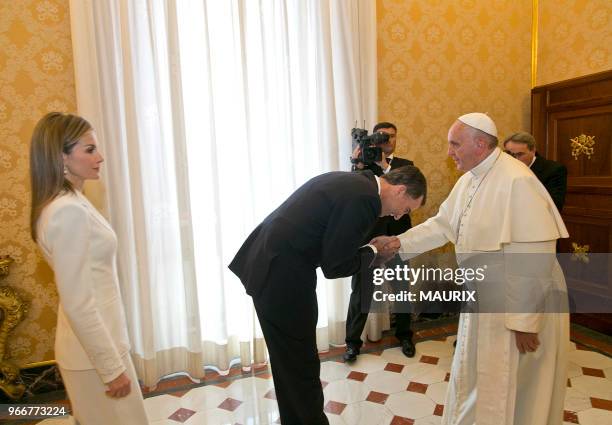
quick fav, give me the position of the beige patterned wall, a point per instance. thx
(439, 59)
(574, 39)
(36, 77)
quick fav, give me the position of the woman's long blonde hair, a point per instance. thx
(55, 134)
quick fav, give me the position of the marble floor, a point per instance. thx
(381, 387)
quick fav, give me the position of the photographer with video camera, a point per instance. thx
(375, 153)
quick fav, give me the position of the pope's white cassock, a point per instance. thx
(500, 206)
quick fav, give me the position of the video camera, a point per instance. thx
(370, 145)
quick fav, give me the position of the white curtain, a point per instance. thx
(210, 113)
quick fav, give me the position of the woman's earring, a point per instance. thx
(65, 170)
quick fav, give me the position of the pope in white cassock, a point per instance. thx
(509, 368)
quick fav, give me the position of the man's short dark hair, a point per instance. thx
(411, 177)
(522, 137)
(384, 124)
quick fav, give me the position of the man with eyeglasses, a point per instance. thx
(552, 174)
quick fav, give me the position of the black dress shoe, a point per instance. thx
(351, 354)
(408, 348)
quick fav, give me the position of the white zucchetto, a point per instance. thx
(480, 121)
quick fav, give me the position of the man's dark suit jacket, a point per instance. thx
(388, 225)
(323, 223)
(553, 176)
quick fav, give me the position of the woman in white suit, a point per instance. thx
(91, 341)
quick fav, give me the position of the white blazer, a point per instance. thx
(81, 247)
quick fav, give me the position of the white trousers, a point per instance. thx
(91, 405)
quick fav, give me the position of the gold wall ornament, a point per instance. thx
(583, 144)
(12, 311)
(580, 253)
(5, 262)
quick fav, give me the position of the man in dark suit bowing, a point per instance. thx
(552, 174)
(322, 224)
(357, 314)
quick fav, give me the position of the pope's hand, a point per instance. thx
(119, 387)
(526, 341)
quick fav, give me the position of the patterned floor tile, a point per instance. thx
(595, 417)
(181, 415)
(416, 369)
(437, 392)
(571, 417)
(398, 420)
(346, 391)
(590, 359)
(576, 401)
(599, 373)
(439, 410)
(248, 388)
(434, 349)
(593, 387)
(257, 411)
(335, 419)
(230, 404)
(445, 363)
(431, 376)
(357, 376)
(599, 403)
(387, 382)
(367, 363)
(334, 407)
(160, 407)
(394, 367)
(374, 397)
(417, 387)
(429, 359)
(429, 420)
(333, 371)
(573, 370)
(366, 413)
(410, 405)
(203, 398)
(210, 417)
